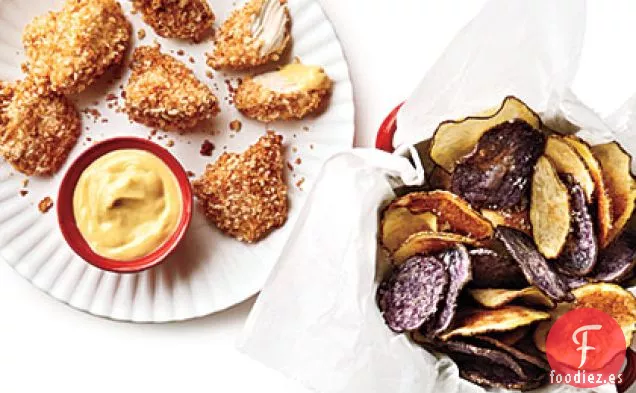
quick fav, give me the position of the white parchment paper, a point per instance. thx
(317, 320)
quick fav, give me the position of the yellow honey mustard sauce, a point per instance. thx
(304, 77)
(127, 204)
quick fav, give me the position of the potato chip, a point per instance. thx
(603, 203)
(455, 139)
(621, 185)
(503, 319)
(514, 219)
(439, 179)
(460, 273)
(612, 299)
(498, 377)
(549, 210)
(572, 282)
(493, 267)
(496, 174)
(409, 297)
(496, 298)
(540, 334)
(451, 211)
(426, 243)
(512, 337)
(490, 342)
(462, 351)
(566, 160)
(536, 269)
(399, 223)
(616, 262)
(581, 249)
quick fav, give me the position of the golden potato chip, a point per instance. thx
(518, 220)
(621, 186)
(603, 203)
(549, 210)
(495, 298)
(566, 160)
(428, 243)
(398, 224)
(500, 320)
(452, 212)
(454, 139)
(540, 334)
(612, 299)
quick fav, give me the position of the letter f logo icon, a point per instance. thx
(584, 348)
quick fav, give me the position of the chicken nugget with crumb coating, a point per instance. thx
(38, 128)
(293, 92)
(245, 195)
(253, 35)
(186, 19)
(69, 49)
(163, 93)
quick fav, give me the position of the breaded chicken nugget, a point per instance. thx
(38, 129)
(163, 93)
(292, 92)
(187, 19)
(245, 195)
(254, 35)
(71, 48)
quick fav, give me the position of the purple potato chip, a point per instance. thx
(534, 266)
(495, 376)
(490, 342)
(573, 282)
(461, 351)
(493, 267)
(581, 248)
(411, 295)
(485, 365)
(616, 262)
(460, 273)
(497, 173)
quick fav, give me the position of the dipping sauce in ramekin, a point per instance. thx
(125, 204)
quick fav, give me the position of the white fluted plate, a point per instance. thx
(209, 272)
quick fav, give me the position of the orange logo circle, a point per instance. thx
(586, 348)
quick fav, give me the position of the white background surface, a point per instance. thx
(48, 347)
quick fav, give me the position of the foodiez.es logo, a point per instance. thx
(586, 348)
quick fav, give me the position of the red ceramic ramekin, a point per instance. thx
(66, 217)
(384, 141)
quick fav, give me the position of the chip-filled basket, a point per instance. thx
(384, 142)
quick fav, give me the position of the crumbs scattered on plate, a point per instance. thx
(207, 148)
(45, 205)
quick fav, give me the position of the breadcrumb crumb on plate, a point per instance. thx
(71, 48)
(293, 92)
(38, 129)
(163, 93)
(256, 34)
(245, 195)
(186, 19)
